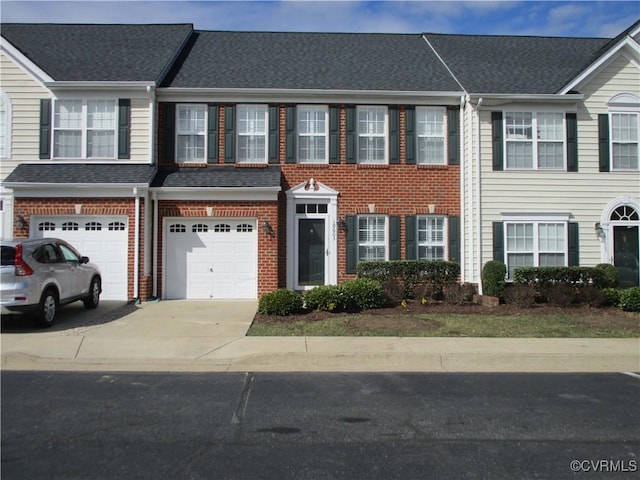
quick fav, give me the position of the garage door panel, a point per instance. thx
(222, 266)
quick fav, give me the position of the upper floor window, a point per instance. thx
(372, 237)
(252, 133)
(191, 121)
(534, 140)
(430, 134)
(5, 126)
(84, 129)
(372, 134)
(431, 238)
(624, 140)
(312, 134)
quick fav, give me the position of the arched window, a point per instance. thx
(625, 213)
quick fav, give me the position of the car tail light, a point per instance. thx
(22, 269)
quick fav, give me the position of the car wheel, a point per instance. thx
(47, 308)
(93, 299)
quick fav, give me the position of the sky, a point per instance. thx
(541, 18)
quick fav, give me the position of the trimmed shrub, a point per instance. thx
(561, 295)
(612, 296)
(630, 299)
(458, 294)
(280, 302)
(328, 298)
(493, 278)
(592, 296)
(522, 296)
(543, 276)
(363, 294)
(607, 276)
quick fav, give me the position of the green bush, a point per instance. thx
(280, 302)
(607, 276)
(493, 278)
(612, 296)
(328, 298)
(630, 299)
(363, 294)
(543, 276)
(522, 296)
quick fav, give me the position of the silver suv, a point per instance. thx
(39, 275)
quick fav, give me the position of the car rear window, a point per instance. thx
(8, 255)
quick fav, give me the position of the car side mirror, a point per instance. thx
(84, 259)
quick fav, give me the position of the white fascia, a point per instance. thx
(536, 216)
(275, 95)
(628, 42)
(91, 190)
(251, 194)
(130, 89)
(496, 99)
(24, 63)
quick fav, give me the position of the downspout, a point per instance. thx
(136, 247)
(478, 184)
(155, 245)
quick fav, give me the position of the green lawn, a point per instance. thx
(570, 325)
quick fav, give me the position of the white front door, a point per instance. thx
(210, 259)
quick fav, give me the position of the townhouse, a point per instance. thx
(197, 164)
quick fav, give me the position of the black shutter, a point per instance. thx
(334, 134)
(394, 238)
(124, 128)
(351, 134)
(394, 136)
(212, 134)
(454, 239)
(274, 144)
(573, 244)
(572, 142)
(410, 126)
(45, 128)
(352, 244)
(498, 241)
(496, 136)
(453, 122)
(169, 132)
(410, 237)
(290, 140)
(603, 141)
(229, 134)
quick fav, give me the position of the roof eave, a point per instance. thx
(100, 85)
(494, 99)
(216, 193)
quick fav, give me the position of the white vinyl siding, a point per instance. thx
(84, 129)
(253, 121)
(313, 141)
(191, 121)
(535, 244)
(624, 141)
(430, 134)
(372, 134)
(431, 238)
(5, 126)
(534, 140)
(372, 237)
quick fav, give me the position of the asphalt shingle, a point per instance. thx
(79, 173)
(219, 176)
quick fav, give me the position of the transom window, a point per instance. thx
(431, 238)
(84, 129)
(177, 228)
(535, 140)
(46, 226)
(244, 227)
(624, 141)
(94, 226)
(372, 237)
(70, 226)
(252, 133)
(222, 227)
(372, 135)
(625, 213)
(535, 244)
(116, 226)
(312, 134)
(191, 121)
(311, 208)
(200, 227)
(430, 134)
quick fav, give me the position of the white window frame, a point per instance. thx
(191, 132)
(535, 140)
(613, 141)
(325, 135)
(5, 126)
(361, 136)
(252, 133)
(372, 243)
(535, 251)
(84, 129)
(430, 135)
(429, 243)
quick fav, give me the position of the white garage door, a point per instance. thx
(211, 258)
(102, 238)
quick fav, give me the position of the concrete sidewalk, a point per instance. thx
(211, 336)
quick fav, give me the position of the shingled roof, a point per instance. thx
(332, 61)
(515, 64)
(219, 176)
(73, 52)
(81, 174)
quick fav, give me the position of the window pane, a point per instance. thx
(371, 253)
(68, 114)
(431, 151)
(625, 156)
(67, 144)
(519, 237)
(101, 143)
(518, 260)
(372, 150)
(552, 260)
(624, 127)
(551, 237)
(550, 126)
(311, 149)
(190, 148)
(251, 119)
(191, 119)
(519, 125)
(101, 114)
(431, 253)
(251, 148)
(519, 155)
(372, 238)
(550, 155)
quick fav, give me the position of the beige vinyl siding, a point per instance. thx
(24, 93)
(583, 194)
(140, 130)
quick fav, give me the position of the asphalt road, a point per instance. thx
(319, 426)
